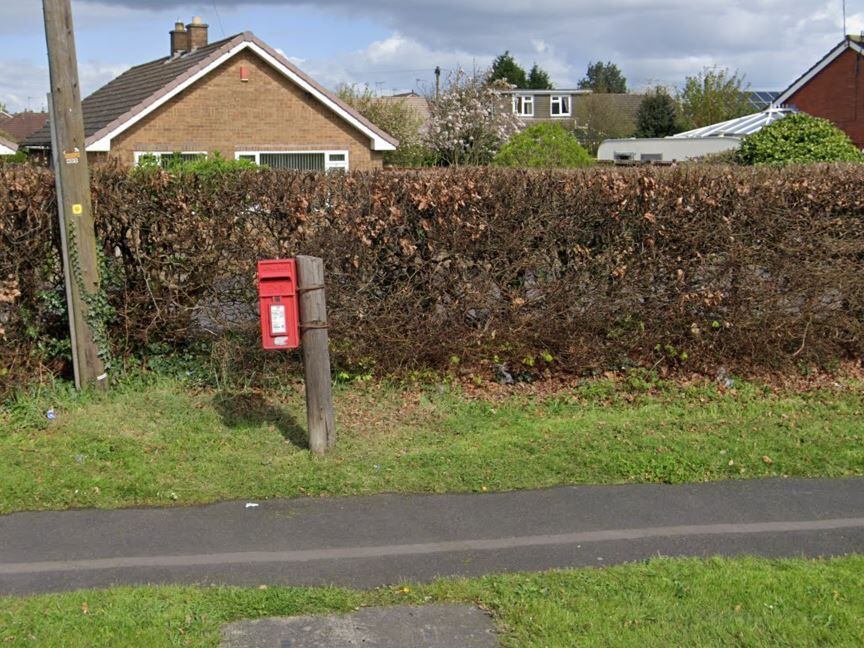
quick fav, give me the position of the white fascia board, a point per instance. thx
(378, 143)
(828, 60)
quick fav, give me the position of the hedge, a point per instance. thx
(568, 271)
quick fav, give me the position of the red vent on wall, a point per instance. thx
(244, 73)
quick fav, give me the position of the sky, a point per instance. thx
(395, 45)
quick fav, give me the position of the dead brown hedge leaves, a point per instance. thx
(691, 267)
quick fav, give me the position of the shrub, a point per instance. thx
(546, 145)
(561, 271)
(798, 139)
(202, 167)
(19, 157)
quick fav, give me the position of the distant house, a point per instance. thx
(542, 105)
(563, 105)
(833, 89)
(416, 102)
(7, 147)
(21, 125)
(237, 97)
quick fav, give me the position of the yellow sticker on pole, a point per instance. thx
(77, 209)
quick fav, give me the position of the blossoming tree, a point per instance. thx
(470, 120)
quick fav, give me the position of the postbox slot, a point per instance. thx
(276, 287)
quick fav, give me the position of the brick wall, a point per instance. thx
(837, 93)
(221, 113)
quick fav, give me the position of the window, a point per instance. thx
(167, 160)
(298, 160)
(652, 157)
(523, 105)
(624, 157)
(294, 161)
(560, 106)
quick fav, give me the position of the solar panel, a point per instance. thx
(761, 99)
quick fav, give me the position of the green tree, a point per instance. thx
(798, 139)
(712, 96)
(395, 117)
(600, 118)
(543, 145)
(604, 78)
(538, 79)
(657, 116)
(504, 67)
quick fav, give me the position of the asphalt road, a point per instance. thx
(383, 539)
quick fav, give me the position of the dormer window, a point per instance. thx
(523, 105)
(560, 106)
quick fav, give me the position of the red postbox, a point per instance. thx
(277, 300)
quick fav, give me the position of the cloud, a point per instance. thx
(22, 16)
(24, 84)
(395, 63)
(772, 41)
(653, 41)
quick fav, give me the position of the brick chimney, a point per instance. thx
(197, 33)
(179, 39)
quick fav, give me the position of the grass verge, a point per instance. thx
(162, 442)
(717, 602)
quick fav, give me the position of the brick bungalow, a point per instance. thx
(833, 89)
(237, 97)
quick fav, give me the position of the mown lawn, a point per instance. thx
(160, 441)
(717, 602)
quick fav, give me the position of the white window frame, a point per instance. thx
(329, 165)
(557, 99)
(158, 154)
(521, 103)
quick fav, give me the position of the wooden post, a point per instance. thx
(64, 248)
(316, 353)
(73, 190)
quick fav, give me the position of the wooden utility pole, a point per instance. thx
(316, 353)
(437, 81)
(80, 262)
